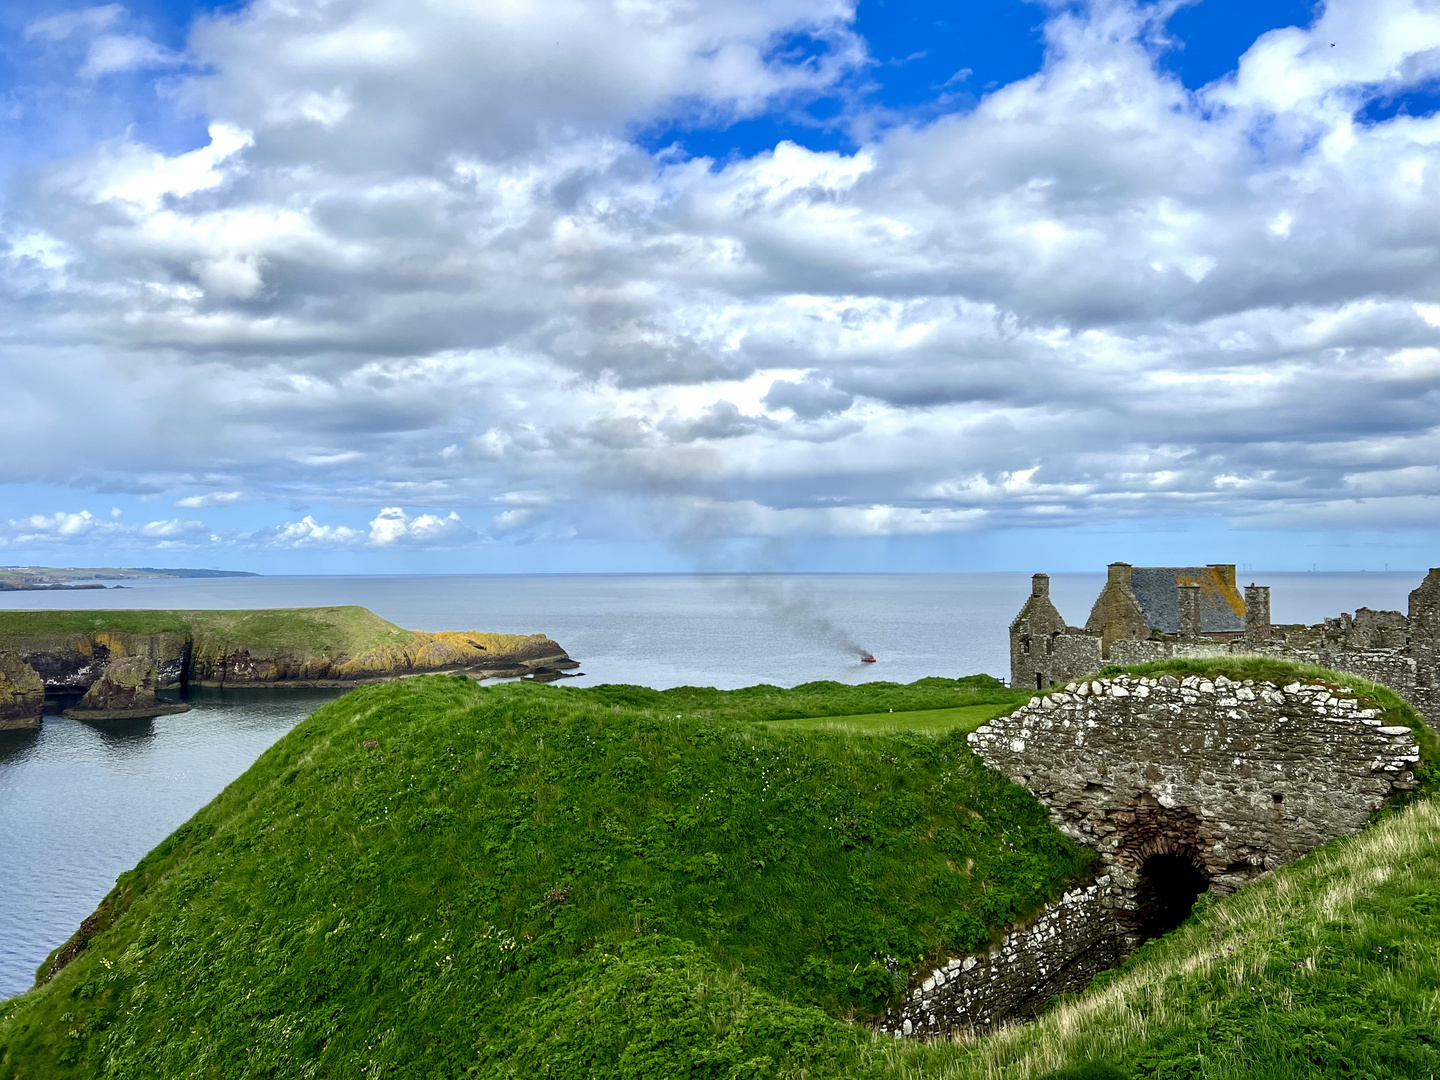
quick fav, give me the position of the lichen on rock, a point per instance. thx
(22, 694)
(125, 689)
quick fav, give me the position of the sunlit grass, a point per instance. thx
(924, 721)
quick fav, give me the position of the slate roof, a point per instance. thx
(1222, 609)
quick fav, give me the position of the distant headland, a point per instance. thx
(118, 659)
(50, 578)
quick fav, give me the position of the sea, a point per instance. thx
(81, 802)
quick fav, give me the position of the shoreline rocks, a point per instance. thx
(119, 669)
(22, 695)
(124, 691)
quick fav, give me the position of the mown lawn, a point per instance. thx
(963, 719)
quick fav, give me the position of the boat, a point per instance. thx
(866, 658)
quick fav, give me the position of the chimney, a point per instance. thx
(1257, 613)
(1040, 585)
(1225, 572)
(1188, 598)
(1119, 573)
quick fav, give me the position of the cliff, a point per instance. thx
(126, 689)
(22, 694)
(72, 651)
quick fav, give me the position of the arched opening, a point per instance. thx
(1169, 884)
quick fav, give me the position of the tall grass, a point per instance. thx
(1326, 967)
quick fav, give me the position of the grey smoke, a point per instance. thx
(794, 606)
(753, 577)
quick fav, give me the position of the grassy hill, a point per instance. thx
(429, 878)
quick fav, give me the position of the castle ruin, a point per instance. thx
(1147, 613)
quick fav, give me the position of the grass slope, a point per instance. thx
(432, 879)
(964, 719)
(1326, 968)
(421, 865)
(350, 629)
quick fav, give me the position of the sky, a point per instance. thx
(438, 286)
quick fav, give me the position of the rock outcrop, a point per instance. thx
(22, 694)
(125, 690)
(218, 663)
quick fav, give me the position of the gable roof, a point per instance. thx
(1222, 608)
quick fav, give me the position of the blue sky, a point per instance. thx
(377, 286)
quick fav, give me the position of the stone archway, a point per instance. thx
(1159, 866)
(1166, 889)
(1182, 786)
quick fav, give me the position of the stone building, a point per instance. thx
(1146, 613)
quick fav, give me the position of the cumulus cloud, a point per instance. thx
(81, 527)
(422, 260)
(392, 526)
(306, 533)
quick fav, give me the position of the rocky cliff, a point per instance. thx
(125, 689)
(111, 656)
(22, 694)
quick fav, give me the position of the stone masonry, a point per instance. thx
(1182, 785)
(1072, 941)
(1157, 613)
(1235, 777)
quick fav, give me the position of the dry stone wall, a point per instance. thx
(1183, 785)
(1236, 777)
(1073, 940)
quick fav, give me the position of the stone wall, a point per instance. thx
(1398, 650)
(1183, 786)
(1068, 944)
(1235, 778)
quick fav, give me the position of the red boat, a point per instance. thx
(866, 658)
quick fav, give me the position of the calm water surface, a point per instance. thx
(82, 802)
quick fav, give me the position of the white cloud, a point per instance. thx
(82, 527)
(307, 533)
(84, 20)
(392, 526)
(111, 53)
(392, 278)
(213, 498)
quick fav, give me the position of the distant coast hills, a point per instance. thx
(50, 578)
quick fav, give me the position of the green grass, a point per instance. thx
(814, 699)
(349, 629)
(963, 719)
(500, 851)
(1326, 968)
(433, 879)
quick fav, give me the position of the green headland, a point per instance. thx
(430, 878)
(334, 645)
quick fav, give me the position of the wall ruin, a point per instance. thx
(1183, 785)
